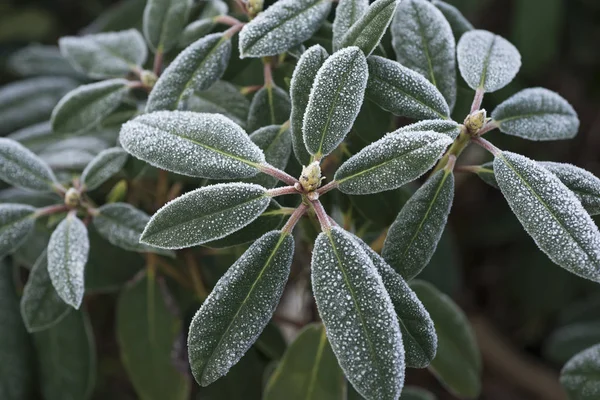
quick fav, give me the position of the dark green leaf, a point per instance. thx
(39, 60)
(447, 127)
(164, 21)
(270, 106)
(459, 24)
(569, 340)
(20, 167)
(416, 393)
(16, 224)
(195, 31)
(103, 166)
(347, 13)
(221, 98)
(35, 137)
(271, 342)
(276, 143)
(584, 184)
(581, 375)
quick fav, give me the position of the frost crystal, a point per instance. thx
(16, 223)
(21, 167)
(579, 375)
(460, 25)
(221, 98)
(347, 13)
(164, 21)
(276, 142)
(446, 127)
(106, 164)
(584, 184)
(270, 106)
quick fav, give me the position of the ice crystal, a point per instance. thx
(347, 13)
(447, 127)
(21, 167)
(579, 375)
(16, 223)
(584, 184)
(106, 164)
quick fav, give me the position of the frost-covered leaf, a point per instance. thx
(68, 252)
(270, 106)
(16, 223)
(302, 81)
(20, 167)
(164, 21)
(239, 307)
(584, 184)
(537, 114)
(459, 24)
(308, 370)
(196, 30)
(447, 127)
(283, 25)
(550, 213)
(486, 173)
(41, 306)
(391, 162)
(29, 197)
(347, 13)
(103, 166)
(85, 107)
(35, 137)
(193, 144)
(367, 31)
(148, 333)
(580, 377)
(221, 98)
(196, 68)
(276, 143)
(335, 100)
(359, 316)
(423, 41)
(205, 214)
(487, 61)
(414, 235)
(458, 361)
(39, 60)
(105, 55)
(569, 340)
(403, 91)
(416, 393)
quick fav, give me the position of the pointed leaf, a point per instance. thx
(359, 316)
(550, 213)
(270, 106)
(239, 307)
(335, 100)
(283, 25)
(537, 114)
(222, 98)
(584, 184)
(416, 393)
(446, 127)
(195, 31)
(16, 224)
(366, 33)
(103, 166)
(487, 61)
(40, 60)
(486, 173)
(391, 162)
(276, 143)
(459, 24)
(581, 375)
(347, 13)
(164, 21)
(271, 342)
(21, 167)
(193, 144)
(569, 340)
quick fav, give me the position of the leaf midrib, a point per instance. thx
(486, 63)
(315, 369)
(425, 44)
(535, 114)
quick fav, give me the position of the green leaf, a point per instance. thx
(580, 377)
(486, 173)
(367, 31)
(414, 235)
(416, 393)
(423, 42)
(68, 252)
(148, 332)
(16, 224)
(276, 143)
(457, 362)
(164, 21)
(195, 31)
(359, 316)
(537, 114)
(271, 342)
(21, 167)
(285, 24)
(447, 127)
(308, 370)
(88, 105)
(41, 306)
(105, 55)
(302, 81)
(487, 61)
(221, 98)
(67, 358)
(403, 91)
(550, 213)
(39, 60)
(383, 207)
(35, 137)
(205, 214)
(569, 340)
(584, 184)
(196, 68)
(335, 100)
(193, 144)
(239, 307)
(459, 24)
(106, 164)
(270, 106)
(347, 13)
(391, 162)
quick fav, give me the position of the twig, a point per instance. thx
(277, 173)
(477, 100)
(194, 269)
(321, 215)
(282, 191)
(295, 217)
(54, 209)
(487, 145)
(330, 186)
(227, 20)
(158, 62)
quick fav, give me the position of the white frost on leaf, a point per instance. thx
(270, 106)
(21, 167)
(107, 163)
(16, 223)
(447, 127)
(164, 21)
(581, 375)
(221, 98)
(347, 13)
(584, 184)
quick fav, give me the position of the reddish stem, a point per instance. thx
(330, 186)
(489, 126)
(282, 191)
(268, 73)
(294, 218)
(321, 215)
(451, 163)
(233, 30)
(158, 62)
(277, 173)
(51, 210)
(227, 20)
(487, 145)
(477, 100)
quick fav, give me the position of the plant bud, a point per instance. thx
(148, 78)
(72, 198)
(310, 179)
(254, 7)
(474, 122)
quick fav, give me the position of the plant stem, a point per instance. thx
(321, 215)
(173, 272)
(277, 173)
(461, 142)
(294, 218)
(487, 145)
(233, 30)
(50, 210)
(469, 168)
(268, 72)
(491, 125)
(282, 191)
(158, 62)
(227, 20)
(477, 100)
(451, 163)
(194, 269)
(328, 187)
(250, 89)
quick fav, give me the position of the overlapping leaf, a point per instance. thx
(276, 143)
(16, 224)
(21, 167)
(584, 184)
(459, 24)
(103, 166)
(447, 127)
(40, 60)
(270, 106)
(581, 375)
(347, 13)
(221, 98)
(163, 22)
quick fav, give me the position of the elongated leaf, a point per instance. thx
(276, 143)
(347, 13)
(85, 107)
(581, 375)
(221, 98)
(414, 235)
(308, 371)
(16, 224)
(196, 30)
(537, 114)
(194, 144)
(39, 60)
(584, 184)
(391, 162)
(205, 214)
(285, 24)
(103, 166)
(359, 316)
(196, 68)
(569, 340)
(404, 92)
(20, 167)
(423, 41)
(164, 21)
(446, 127)
(239, 307)
(35, 137)
(487, 61)
(270, 106)
(335, 100)
(68, 252)
(550, 213)
(302, 82)
(458, 362)
(271, 342)
(41, 306)
(367, 31)
(416, 393)
(459, 24)
(148, 332)
(486, 173)
(105, 55)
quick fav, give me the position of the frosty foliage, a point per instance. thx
(551, 214)
(270, 106)
(347, 13)
(16, 224)
(221, 98)
(403, 91)
(105, 55)
(414, 235)
(21, 167)
(239, 307)
(486, 60)
(459, 24)
(359, 316)
(391, 162)
(584, 184)
(196, 68)
(107, 163)
(447, 127)
(423, 41)
(163, 22)
(34, 137)
(40, 60)
(205, 214)
(537, 114)
(276, 143)
(283, 25)
(68, 252)
(193, 144)
(581, 375)
(335, 100)
(196, 30)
